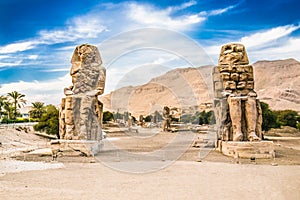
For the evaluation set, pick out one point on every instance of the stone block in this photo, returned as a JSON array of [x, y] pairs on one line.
[[250, 85], [234, 77], [86, 147], [243, 77], [261, 149], [241, 85], [225, 76], [224, 68], [231, 85]]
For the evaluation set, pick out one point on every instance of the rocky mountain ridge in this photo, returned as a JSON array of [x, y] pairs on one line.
[[276, 82]]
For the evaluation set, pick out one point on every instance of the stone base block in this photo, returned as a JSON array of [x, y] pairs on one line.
[[262, 149], [87, 147]]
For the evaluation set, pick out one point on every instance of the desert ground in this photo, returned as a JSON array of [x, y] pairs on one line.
[[27, 174]]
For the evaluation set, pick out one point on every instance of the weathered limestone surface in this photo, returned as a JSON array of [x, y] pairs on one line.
[[237, 109], [141, 121], [81, 111], [87, 147], [261, 149]]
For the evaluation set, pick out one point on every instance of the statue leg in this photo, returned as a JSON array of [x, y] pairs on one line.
[[69, 119], [251, 118], [235, 109], [86, 118]]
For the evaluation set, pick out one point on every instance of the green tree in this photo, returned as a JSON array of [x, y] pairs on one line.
[[107, 116], [148, 118], [48, 121], [118, 115], [287, 118], [8, 110], [203, 119], [17, 101], [269, 117], [3, 101], [37, 110], [186, 118], [298, 125], [211, 117], [157, 117]]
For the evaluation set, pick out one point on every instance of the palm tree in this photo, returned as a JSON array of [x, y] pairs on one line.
[[38, 110], [2, 104], [8, 109], [17, 100]]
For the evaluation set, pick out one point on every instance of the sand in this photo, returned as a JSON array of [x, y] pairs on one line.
[[77, 177], [182, 180]]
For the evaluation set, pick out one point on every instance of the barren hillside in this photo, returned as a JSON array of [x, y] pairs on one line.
[[277, 83]]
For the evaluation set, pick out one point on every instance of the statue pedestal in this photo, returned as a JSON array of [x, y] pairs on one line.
[[87, 147], [261, 149]]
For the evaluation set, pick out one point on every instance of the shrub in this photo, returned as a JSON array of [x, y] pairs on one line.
[[269, 117], [49, 121], [5, 120], [199, 118], [107, 116], [148, 118], [287, 118]]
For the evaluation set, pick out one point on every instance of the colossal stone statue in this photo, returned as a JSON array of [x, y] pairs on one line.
[[81, 111], [167, 119], [129, 121], [237, 109]]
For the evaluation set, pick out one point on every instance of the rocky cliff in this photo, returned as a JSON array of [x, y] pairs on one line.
[[276, 82]]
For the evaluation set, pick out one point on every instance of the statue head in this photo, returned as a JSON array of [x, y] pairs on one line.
[[86, 54], [166, 110], [233, 53]]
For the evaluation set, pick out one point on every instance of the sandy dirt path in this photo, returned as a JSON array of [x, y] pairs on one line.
[[182, 180]]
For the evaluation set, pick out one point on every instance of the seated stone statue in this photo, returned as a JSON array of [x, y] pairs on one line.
[[237, 109], [81, 111], [167, 119]]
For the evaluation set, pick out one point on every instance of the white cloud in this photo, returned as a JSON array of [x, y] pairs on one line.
[[46, 91], [79, 27], [270, 44], [288, 48], [3, 57], [182, 6], [266, 36], [57, 70], [92, 24], [151, 16], [158, 49], [148, 15], [33, 57], [10, 64], [86, 27], [220, 11], [18, 46]]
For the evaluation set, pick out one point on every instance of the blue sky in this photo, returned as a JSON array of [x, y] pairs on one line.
[[37, 37]]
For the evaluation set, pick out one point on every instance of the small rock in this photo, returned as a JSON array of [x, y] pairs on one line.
[[274, 164]]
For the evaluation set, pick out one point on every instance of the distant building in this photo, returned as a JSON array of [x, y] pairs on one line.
[[24, 111], [207, 106]]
